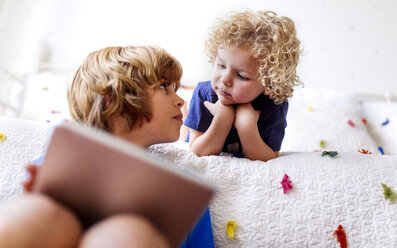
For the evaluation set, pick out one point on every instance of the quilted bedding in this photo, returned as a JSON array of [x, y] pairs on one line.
[[327, 192], [23, 141]]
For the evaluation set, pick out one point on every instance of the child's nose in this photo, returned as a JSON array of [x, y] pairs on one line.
[[226, 79], [179, 101]]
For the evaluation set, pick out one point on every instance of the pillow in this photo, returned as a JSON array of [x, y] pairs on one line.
[[326, 120], [382, 124], [45, 98]]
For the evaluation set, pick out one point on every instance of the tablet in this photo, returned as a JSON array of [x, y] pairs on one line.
[[96, 175]]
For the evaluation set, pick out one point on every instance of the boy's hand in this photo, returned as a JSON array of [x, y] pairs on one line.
[[219, 109], [246, 116], [212, 140], [28, 183]]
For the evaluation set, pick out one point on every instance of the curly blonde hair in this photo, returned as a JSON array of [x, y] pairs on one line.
[[272, 41], [115, 80]]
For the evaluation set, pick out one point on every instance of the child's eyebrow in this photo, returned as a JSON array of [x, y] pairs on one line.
[[217, 58], [241, 68]]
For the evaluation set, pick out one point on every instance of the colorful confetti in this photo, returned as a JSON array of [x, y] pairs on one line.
[[322, 144], [364, 121], [286, 184], [389, 192], [381, 150], [385, 122], [2, 137], [341, 236], [329, 153], [310, 109], [363, 151], [231, 228], [351, 123]]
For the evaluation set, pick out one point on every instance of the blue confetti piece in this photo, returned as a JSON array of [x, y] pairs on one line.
[[381, 150], [385, 122]]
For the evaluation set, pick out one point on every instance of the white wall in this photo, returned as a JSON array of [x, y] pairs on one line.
[[349, 44]]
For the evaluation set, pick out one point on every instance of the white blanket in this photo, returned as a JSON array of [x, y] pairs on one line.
[[327, 192], [345, 190], [24, 141]]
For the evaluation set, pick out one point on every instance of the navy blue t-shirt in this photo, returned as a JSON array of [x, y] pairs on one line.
[[271, 124]]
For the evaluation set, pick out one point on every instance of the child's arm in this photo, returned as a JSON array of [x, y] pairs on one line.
[[211, 141], [252, 144]]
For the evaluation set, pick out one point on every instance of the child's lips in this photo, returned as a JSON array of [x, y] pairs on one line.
[[224, 93], [179, 118]]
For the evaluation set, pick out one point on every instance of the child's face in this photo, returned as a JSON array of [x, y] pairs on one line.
[[166, 120], [235, 77]]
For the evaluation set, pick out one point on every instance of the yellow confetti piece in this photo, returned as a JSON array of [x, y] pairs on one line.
[[230, 228], [2, 137], [44, 88], [310, 109], [322, 144]]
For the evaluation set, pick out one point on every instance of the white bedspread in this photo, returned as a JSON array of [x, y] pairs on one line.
[[25, 140], [345, 190], [327, 192]]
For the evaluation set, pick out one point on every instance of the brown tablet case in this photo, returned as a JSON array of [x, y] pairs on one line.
[[97, 175]]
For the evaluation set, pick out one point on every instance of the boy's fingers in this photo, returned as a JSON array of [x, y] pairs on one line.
[[209, 106], [29, 181]]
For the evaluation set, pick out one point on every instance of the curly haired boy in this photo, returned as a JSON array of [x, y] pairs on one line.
[[243, 109]]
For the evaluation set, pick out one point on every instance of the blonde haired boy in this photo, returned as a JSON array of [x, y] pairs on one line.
[[131, 93]]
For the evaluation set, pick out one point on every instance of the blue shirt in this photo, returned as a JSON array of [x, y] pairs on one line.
[[201, 235], [271, 124]]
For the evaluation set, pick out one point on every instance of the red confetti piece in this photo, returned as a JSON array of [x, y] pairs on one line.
[[351, 123], [341, 236], [363, 151], [286, 183], [55, 112], [364, 121]]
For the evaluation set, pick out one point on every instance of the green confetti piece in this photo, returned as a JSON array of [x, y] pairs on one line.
[[389, 192], [329, 153]]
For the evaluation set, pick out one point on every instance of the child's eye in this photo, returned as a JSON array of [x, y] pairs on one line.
[[242, 77], [166, 87], [222, 66]]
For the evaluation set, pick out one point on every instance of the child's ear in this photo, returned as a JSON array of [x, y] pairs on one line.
[[106, 100], [266, 91]]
